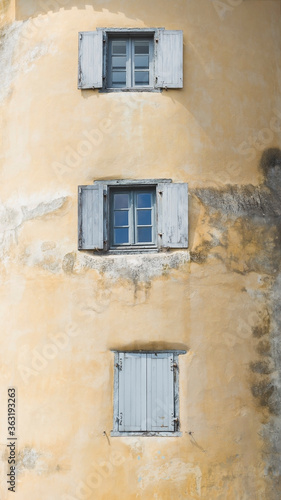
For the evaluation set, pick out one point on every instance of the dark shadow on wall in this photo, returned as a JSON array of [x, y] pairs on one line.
[[252, 214]]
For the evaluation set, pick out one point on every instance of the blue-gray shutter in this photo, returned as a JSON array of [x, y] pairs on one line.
[[160, 392], [172, 205], [90, 59], [169, 59], [90, 217], [132, 392]]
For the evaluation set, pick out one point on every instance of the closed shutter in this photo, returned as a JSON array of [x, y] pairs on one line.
[[132, 392], [169, 59], [172, 204], [90, 59], [90, 217], [160, 392]]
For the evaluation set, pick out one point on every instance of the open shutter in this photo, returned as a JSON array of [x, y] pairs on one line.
[[132, 392], [169, 59], [90, 59], [160, 392], [90, 217], [172, 200]]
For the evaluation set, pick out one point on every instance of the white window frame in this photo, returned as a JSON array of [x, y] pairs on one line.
[[130, 35], [130, 70], [174, 416], [132, 216]]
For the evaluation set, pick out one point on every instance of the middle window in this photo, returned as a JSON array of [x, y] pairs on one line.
[[130, 62], [133, 219]]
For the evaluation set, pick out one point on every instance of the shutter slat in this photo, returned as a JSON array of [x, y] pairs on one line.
[[160, 390], [172, 215], [169, 59], [90, 59], [90, 217], [132, 392]]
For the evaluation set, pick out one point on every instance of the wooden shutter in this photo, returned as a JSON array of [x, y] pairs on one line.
[[160, 392], [132, 392], [172, 205], [90, 59], [169, 59], [90, 217]]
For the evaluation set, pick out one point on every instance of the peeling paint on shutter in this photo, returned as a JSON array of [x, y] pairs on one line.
[[172, 204], [90, 59], [132, 392], [90, 217], [169, 59], [160, 392]]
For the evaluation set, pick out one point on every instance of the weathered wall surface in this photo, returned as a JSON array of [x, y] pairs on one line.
[[63, 311]]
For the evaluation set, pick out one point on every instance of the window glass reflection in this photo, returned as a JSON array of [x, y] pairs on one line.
[[144, 200], [121, 200], [144, 217], [121, 235], [144, 235]]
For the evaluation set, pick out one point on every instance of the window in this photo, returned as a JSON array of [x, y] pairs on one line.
[[130, 63], [133, 216], [130, 59], [146, 393]]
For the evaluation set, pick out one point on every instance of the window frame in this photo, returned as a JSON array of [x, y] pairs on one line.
[[116, 432], [130, 64], [132, 217], [131, 185], [129, 34]]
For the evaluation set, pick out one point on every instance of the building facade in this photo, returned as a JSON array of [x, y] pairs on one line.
[[140, 248]]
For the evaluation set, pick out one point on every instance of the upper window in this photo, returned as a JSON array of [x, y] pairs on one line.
[[130, 59], [130, 62], [140, 215], [146, 393]]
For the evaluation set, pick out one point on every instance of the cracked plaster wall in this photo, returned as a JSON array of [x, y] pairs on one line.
[[63, 311]]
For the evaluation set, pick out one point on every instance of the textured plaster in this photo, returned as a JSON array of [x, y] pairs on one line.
[[137, 268], [62, 311], [11, 67], [257, 209], [12, 219]]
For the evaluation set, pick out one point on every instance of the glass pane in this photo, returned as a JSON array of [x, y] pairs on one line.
[[119, 62], [141, 47], [119, 77], [121, 235], [141, 62], [121, 218], [141, 77], [144, 217], [121, 200], [144, 200], [144, 235], [119, 47]]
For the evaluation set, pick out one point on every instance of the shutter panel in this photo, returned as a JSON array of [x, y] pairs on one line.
[[173, 215], [90, 59], [90, 217], [169, 59], [132, 392], [160, 392]]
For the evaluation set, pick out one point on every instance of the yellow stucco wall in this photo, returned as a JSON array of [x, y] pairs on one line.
[[63, 311]]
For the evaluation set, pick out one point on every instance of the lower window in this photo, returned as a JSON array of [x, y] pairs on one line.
[[146, 399]]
